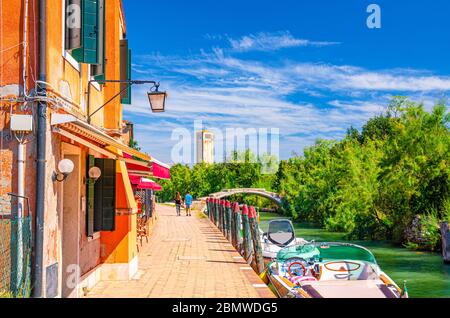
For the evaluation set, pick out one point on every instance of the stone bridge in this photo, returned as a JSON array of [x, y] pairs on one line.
[[261, 192]]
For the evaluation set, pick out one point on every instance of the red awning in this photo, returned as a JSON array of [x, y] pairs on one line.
[[160, 170], [153, 168], [137, 167], [144, 183], [135, 180], [150, 184]]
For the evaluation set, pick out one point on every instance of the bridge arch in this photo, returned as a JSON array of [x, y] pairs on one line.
[[274, 197]]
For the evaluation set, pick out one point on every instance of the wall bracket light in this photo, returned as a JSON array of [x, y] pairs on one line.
[[65, 168], [156, 98]]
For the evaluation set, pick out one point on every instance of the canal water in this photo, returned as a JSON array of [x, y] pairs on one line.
[[425, 273]]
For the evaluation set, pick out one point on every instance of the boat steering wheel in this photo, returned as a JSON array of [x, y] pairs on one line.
[[295, 267]]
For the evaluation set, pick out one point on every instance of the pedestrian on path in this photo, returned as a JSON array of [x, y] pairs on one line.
[[178, 203], [188, 203]]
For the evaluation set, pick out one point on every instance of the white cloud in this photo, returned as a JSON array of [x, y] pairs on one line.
[[291, 76], [304, 100], [355, 78], [264, 41]]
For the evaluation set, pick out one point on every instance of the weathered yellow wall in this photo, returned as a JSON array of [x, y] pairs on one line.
[[113, 112], [70, 82]]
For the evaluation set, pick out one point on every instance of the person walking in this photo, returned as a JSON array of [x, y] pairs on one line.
[[188, 203], [178, 203]]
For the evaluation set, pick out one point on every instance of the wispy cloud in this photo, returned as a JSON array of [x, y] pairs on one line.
[[264, 41], [304, 100], [290, 76]]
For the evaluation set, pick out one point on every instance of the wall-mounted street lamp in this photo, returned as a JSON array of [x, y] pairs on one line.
[[65, 168], [156, 98], [94, 173]]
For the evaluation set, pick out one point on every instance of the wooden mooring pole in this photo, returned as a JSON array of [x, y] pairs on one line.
[[445, 234], [218, 214], [257, 250], [224, 219], [212, 209], [221, 221], [229, 214], [233, 224], [216, 218], [224, 216], [219, 211], [247, 242], [237, 225]]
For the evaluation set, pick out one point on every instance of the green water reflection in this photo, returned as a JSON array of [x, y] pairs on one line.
[[425, 273]]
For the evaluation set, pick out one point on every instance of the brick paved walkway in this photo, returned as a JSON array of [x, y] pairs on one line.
[[187, 257]]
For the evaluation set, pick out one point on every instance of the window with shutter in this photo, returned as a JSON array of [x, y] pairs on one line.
[[98, 70], [90, 17], [125, 71], [90, 198], [72, 31], [105, 196]]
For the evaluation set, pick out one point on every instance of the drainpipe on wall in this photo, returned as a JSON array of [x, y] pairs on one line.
[[18, 261], [41, 149], [25, 44]]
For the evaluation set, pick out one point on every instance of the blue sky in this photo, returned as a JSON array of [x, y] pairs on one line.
[[309, 68]]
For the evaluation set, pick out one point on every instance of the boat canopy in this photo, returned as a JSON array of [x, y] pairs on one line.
[[327, 252]]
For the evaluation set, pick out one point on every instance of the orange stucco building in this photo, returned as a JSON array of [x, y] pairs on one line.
[[89, 226]]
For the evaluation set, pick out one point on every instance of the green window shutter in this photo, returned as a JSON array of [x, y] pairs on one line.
[[90, 198], [105, 196], [125, 71], [88, 53]]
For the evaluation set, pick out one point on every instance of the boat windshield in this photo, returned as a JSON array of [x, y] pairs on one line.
[[280, 226], [327, 252], [281, 232]]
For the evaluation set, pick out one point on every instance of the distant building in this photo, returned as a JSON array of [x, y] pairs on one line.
[[205, 146]]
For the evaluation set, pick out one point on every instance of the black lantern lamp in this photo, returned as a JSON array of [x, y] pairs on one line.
[[157, 99]]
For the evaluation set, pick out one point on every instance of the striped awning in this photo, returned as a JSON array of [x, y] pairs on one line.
[[93, 138]]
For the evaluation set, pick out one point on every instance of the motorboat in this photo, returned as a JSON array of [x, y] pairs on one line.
[[280, 234], [330, 270]]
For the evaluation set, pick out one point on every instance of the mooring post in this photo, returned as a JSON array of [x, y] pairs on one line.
[[247, 243], [222, 220], [259, 259], [210, 209], [213, 210], [216, 218], [218, 213], [229, 218], [239, 228], [445, 234], [224, 231], [221, 216], [236, 225], [224, 226], [232, 225]]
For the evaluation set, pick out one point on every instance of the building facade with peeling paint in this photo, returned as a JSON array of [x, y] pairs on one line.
[[48, 63]]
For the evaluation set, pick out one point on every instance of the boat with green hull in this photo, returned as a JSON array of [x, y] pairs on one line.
[[330, 270]]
